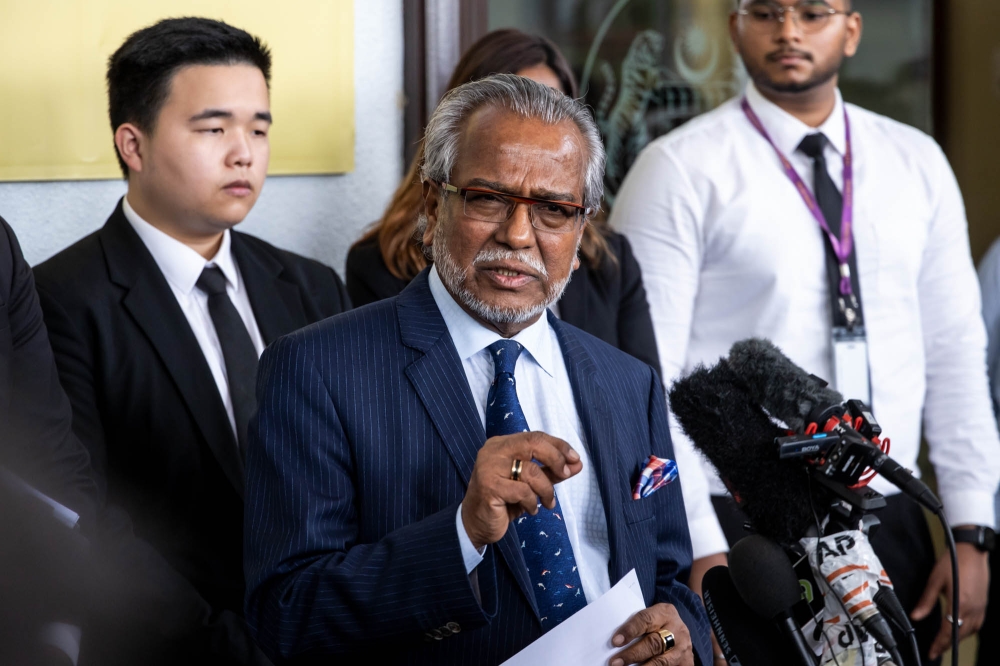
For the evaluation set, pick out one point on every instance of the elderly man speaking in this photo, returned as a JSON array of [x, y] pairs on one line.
[[442, 477]]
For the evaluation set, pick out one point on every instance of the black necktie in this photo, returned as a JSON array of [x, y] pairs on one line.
[[237, 349], [832, 204]]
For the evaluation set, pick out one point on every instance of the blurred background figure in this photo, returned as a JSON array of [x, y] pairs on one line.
[[78, 587], [989, 282]]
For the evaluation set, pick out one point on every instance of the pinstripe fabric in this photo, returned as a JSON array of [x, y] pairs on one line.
[[361, 450]]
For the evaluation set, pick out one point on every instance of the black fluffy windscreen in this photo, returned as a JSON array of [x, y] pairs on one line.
[[714, 408], [784, 389]]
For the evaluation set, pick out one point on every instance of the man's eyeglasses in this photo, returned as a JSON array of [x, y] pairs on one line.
[[557, 217], [811, 16]]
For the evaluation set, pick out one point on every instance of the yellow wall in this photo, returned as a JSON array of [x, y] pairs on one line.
[[972, 89], [53, 101]]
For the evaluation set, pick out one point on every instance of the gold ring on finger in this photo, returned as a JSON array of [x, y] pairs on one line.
[[667, 637], [515, 470]]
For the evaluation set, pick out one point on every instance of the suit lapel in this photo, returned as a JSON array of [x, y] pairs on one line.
[[277, 304], [155, 310], [598, 427], [440, 381]]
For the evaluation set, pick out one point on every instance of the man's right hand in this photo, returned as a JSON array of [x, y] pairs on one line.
[[493, 499]]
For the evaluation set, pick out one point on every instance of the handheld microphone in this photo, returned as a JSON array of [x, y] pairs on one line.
[[766, 581]]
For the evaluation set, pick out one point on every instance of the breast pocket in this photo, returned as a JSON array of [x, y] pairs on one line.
[[636, 510]]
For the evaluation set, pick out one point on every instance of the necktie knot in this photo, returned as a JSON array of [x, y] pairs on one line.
[[212, 281], [813, 145], [504, 354]]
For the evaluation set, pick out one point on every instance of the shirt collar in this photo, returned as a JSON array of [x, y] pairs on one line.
[[787, 131], [471, 337], [180, 264]]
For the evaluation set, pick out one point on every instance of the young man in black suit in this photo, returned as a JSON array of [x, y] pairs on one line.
[[157, 320]]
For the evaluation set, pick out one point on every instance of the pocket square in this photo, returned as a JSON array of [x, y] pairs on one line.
[[657, 473]]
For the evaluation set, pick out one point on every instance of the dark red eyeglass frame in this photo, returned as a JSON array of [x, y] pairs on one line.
[[448, 187]]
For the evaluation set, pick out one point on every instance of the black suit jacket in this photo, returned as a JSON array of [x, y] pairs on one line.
[[608, 302], [144, 401], [36, 438]]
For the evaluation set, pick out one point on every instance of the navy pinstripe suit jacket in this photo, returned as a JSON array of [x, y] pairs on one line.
[[357, 460]]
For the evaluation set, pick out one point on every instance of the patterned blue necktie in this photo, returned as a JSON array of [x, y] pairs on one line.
[[545, 545]]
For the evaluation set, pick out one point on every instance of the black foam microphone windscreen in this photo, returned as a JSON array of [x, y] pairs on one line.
[[717, 412], [768, 584], [784, 389], [746, 638], [764, 575]]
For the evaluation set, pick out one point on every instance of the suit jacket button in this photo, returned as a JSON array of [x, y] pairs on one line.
[[453, 627], [435, 634], [445, 631]]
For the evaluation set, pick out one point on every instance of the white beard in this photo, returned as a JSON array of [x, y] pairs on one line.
[[454, 278]]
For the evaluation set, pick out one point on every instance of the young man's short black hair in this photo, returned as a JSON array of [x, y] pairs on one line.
[[140, 71]]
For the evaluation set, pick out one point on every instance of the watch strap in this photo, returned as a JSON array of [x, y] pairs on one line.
[[983, 538]]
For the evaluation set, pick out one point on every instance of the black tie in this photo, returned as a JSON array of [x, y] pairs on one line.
[[237, 349], [832, 204]]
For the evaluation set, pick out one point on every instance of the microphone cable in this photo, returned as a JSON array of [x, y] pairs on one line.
[[953, 552], [889, 604]]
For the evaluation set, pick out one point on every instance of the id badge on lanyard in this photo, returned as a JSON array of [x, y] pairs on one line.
[[850, 346], [850, 363]]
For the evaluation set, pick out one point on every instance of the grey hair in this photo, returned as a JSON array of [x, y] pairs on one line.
[[521, 96]]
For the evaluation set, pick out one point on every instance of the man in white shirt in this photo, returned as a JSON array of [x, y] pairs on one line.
[[157, 320], [394, 505], [744, 225]]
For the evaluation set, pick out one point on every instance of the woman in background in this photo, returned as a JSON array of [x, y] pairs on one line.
[[605, 297]]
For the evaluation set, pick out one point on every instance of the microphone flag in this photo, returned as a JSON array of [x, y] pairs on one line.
[[848, 573]]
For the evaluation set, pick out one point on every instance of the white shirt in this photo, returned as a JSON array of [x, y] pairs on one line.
[[182, 266], [729, 250], [546, 398]]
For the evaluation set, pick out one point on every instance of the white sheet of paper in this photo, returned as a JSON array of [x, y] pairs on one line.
[[585, 638]]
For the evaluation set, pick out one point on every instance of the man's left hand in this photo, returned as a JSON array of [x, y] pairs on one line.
[[974, 585], [648, 651]]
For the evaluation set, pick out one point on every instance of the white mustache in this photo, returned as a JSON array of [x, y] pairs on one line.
[[521, 256]]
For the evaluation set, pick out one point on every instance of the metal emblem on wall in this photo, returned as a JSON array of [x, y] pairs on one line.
[[644, 97]]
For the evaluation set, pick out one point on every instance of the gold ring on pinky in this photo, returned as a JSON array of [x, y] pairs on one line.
[[515, 470], [667, 637]]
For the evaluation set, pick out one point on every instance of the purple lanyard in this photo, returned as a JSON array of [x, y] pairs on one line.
[[843, 246]]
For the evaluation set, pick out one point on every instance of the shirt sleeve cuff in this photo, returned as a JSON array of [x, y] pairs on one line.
[[968, 507], [470, 554], [707, 537]]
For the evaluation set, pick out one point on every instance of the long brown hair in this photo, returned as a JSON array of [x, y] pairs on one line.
[[505, 51]]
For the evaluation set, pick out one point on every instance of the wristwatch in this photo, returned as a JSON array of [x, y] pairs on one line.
[[983, 538]]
